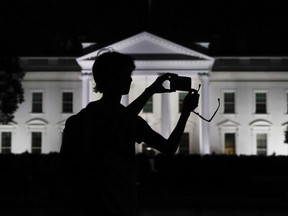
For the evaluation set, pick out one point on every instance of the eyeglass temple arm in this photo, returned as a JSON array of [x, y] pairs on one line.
[[208, 120]]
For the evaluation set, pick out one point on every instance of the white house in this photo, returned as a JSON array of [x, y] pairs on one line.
[[253, 115], [253, 94]]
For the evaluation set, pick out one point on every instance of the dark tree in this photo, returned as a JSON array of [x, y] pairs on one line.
[[11, 90]]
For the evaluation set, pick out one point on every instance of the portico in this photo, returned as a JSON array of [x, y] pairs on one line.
[[153, 56]]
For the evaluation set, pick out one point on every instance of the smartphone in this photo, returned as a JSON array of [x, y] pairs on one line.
[[180, 83]]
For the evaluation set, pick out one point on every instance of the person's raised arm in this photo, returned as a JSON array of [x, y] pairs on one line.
[[170, 145], [137, 105]]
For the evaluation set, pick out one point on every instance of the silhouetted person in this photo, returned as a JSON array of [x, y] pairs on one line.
[[99, 141]]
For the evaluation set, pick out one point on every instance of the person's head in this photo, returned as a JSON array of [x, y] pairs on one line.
[[112, 71]]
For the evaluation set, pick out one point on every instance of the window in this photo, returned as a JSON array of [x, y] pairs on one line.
[[148, 108], [37, 128], [37, 102], [181, 100], [229, 130], [67, 102], [260, 106], [36, 142], [229, 102], [6, 140], [287, 102], [184, 144], [260, 133], [230, 144], [261, 142]]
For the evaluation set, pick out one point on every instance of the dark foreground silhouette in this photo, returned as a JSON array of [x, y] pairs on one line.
[[98, 149], [212, 183]]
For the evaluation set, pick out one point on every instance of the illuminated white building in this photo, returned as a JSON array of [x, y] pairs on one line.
[[251, 119], [254, 111]]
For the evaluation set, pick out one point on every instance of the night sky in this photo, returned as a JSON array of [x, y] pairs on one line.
[[243, 27]]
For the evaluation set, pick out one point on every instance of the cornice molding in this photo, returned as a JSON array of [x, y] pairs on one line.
[[51, 76], [248, 76]]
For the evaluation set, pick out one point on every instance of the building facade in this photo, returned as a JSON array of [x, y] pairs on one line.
[[253, 115], [253, 94]]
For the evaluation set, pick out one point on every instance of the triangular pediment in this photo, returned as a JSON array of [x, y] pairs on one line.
[[147, 43], [153, 53], [228, 123]]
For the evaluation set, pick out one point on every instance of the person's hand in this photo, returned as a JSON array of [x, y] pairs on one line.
[[191, 101], [157, 85]]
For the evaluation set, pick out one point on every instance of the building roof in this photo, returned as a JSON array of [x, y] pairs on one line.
[[49, 64], [250, 64]]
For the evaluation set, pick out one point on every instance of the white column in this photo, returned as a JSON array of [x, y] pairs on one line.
[[205, 135], [165, 115], [125, 100], [85, 89]]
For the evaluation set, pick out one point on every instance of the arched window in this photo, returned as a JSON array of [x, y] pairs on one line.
[[229, 132], [37, 130], [260, 135]]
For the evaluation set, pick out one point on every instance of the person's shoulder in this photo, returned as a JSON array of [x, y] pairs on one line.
[[77, 116], [92, 106], [82, 112]]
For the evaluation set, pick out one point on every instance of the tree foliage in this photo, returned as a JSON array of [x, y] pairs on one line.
[[11, 90]]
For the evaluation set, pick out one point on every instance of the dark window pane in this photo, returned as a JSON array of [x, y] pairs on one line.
[[148, 108], [67, 102], [37, 100], [181, 99], [36, 142], [261, 103], [287, 102], [261, 140], [230, 143], [6, 139], [229, 102], [184, 144]]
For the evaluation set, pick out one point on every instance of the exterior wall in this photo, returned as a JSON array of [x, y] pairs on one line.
[[245, 122], [51, 121]]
